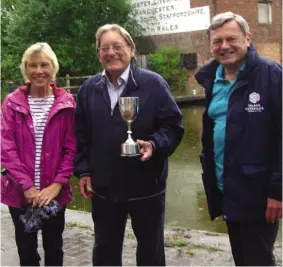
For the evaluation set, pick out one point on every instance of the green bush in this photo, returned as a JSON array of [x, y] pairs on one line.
[[10, 73], [4, 92], [166, 61]]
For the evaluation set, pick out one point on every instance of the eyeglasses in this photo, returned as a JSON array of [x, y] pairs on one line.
[[116, 48], [219, 42]]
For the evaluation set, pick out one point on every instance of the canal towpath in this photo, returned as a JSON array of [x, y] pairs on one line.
[[183, 247]]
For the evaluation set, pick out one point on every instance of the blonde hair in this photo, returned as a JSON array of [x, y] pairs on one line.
[[39, 48], [116, 28], [222, 18]]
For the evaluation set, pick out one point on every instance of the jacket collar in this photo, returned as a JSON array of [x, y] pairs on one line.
[[205, 76], [19, 98]]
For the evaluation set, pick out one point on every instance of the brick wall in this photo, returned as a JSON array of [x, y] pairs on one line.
[[267, 38], [270, 50]]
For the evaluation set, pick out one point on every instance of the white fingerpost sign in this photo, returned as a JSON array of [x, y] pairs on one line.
[[170, 16]]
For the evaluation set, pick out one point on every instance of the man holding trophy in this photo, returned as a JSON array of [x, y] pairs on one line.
[[128, 125]]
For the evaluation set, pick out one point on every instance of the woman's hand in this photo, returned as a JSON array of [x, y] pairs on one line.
[[31, 195], [47, 194]]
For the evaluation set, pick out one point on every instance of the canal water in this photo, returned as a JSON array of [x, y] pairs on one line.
[[185, 199]]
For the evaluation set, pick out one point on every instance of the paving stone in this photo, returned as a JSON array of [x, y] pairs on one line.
[[204, 248]]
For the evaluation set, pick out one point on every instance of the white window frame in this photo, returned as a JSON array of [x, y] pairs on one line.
[[264, 13]]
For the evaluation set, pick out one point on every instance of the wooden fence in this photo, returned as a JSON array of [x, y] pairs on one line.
[[67, 82], [73, 83]]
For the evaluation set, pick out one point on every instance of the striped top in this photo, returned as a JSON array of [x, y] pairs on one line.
[[39, 108]]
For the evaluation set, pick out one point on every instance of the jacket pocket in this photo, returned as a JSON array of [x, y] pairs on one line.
[[255, 171], [4, 186], [10, 191], [253, 186]]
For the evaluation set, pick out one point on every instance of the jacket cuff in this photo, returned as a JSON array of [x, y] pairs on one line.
[[153, 145], [61, 180], [275, 186], [84, 174], [26, 186]]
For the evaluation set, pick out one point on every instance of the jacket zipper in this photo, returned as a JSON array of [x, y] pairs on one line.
[[111, 110]]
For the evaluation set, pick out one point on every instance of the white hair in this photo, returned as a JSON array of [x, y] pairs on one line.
[[222, 18]]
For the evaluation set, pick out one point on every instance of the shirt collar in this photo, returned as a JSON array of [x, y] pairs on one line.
[[220, 72], [123, 77]]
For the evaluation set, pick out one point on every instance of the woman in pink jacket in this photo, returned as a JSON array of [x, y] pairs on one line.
[[37, 149]]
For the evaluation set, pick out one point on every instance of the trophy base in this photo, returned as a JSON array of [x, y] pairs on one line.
[[130, 150], [130, 155]]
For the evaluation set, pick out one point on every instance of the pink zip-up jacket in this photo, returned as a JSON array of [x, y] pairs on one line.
[[18, 146]]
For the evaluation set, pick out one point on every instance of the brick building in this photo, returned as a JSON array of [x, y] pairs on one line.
[[264, 18]]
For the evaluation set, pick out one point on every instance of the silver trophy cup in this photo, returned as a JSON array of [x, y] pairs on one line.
[[129, 107]]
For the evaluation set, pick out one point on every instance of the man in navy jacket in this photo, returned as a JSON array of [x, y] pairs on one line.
[[123, 186], [242, 140]]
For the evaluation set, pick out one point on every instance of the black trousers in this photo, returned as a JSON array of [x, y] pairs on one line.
[[252, 242], [52, 231], [147, 217]]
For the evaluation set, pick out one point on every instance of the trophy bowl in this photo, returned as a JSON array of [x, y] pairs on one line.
[[129, 107]]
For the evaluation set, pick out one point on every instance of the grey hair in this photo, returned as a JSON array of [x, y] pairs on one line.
[[222, 18], [117, 28], [39, 48]]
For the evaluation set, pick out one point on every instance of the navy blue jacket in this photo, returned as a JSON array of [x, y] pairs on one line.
[[100, 134], [253, 141]]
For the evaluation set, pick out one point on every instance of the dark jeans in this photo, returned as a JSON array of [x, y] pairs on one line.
[[252, 242], [52, 230], [147, 217]]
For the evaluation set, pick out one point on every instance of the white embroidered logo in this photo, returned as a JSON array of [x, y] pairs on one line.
[[254, 98]]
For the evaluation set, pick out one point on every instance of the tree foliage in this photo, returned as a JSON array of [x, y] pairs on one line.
[[68, 26], [166, 61]]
